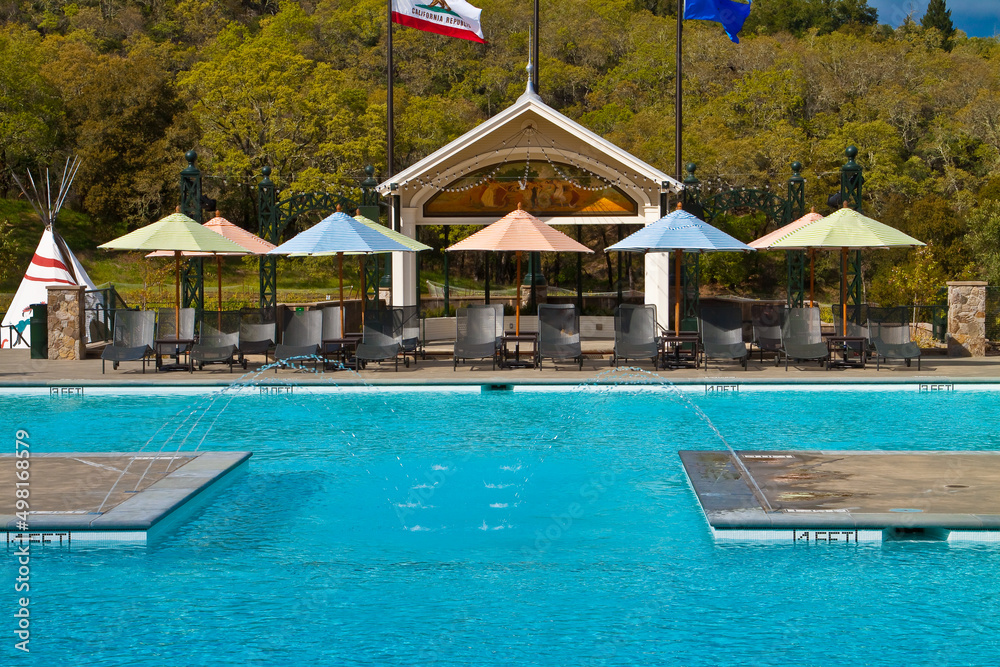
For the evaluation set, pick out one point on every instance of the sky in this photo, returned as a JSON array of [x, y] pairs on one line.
[[977, 18]]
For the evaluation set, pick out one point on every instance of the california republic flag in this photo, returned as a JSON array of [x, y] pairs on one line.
[[452, 18]]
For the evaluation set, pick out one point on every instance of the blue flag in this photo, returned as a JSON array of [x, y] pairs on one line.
[[732, 15]]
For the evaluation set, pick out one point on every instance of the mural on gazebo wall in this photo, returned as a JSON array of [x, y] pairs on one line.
[[546, 189]]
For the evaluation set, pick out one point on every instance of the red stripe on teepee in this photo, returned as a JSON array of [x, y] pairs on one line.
[[49, 280], [48, 262], [437, 28]]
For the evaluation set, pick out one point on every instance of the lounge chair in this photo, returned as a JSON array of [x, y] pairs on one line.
[[559, 333], [476, 334], [301, 337], [890, 333], [721, 329], [166, 329], [333, 331], [635, 334], [132, 338], [767, 320], [381, 337], [257, 335], [802, 336], [410, 332], [218, 339]]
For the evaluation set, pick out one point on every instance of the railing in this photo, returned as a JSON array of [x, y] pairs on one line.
[[100, 307], [936, 316]]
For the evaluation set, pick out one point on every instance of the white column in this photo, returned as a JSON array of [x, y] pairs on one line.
[[404, 264], [657, 275]]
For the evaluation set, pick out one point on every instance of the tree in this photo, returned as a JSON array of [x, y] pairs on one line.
[[984, 239], [939, 17]]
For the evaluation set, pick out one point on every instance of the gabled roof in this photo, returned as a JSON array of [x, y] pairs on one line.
[[590, 148]]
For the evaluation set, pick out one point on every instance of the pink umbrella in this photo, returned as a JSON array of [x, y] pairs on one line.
[[764, 243]]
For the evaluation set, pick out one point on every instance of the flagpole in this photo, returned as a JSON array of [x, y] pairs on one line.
[[534, 49], [678, 94], [390, 137]]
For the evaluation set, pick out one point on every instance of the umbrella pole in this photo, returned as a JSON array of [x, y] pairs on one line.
[[218, 266], [177, 294], [517, 301], [678, 254], [843, 289], [340, 275], [812, 278]]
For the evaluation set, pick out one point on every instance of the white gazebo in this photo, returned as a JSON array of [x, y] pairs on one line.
[[530, 154]]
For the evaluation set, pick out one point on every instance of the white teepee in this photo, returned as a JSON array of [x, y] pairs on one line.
[[52, 264]]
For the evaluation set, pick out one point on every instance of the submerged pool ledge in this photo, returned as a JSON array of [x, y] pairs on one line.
[[847, 497], [112, 497]]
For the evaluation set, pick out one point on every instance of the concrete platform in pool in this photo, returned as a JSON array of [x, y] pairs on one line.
[[847, 497], [107, 497]]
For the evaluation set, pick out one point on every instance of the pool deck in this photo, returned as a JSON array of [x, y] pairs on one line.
[[17, 369], [105, 497], [847, 496]]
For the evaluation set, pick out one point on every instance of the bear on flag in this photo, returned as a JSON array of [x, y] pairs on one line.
[[452, 18]]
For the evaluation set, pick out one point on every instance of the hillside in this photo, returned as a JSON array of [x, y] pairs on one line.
[[301, 86]]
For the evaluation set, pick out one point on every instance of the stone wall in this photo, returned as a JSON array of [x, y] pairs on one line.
[[66, 312], [967, 319]]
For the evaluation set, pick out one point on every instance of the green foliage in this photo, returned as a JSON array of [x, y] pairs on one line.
[[9, 250], [984, 239], [800, 16], [938, 17], [914, 282]]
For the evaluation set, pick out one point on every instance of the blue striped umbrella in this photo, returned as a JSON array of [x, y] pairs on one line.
[[682, 231], [337, 234], [340, 234], [679, 232]]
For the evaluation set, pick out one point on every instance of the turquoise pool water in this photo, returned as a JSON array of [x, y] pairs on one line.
[[502, 528]]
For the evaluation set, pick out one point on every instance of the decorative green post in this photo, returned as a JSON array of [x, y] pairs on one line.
[[192, 275], [852, 180], [796, 203], [690, 268], [795, 208], [796, 264], [692, 186], [369, 209], [267, 195]]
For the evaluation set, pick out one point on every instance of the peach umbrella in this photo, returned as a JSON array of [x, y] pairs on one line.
[[518, 232], [765, 242]]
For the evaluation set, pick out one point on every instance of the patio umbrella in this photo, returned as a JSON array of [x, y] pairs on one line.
[[766, 243], [176, 233], [847, 230], [679, 232], [340, 234], [518, 232], [252, 244]]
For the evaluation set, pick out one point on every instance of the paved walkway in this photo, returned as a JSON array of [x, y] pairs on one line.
[[18, 369]]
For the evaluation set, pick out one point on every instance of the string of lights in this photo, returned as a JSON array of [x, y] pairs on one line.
[[519, 148]]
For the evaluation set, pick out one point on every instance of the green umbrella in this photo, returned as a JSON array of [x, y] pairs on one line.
[[177, 233], [847, 230], [412, 244]]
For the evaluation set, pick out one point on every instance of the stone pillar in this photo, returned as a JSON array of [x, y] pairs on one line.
[[967, 318], [67, 314]]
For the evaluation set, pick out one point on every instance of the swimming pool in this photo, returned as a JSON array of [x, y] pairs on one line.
[[548, 528]]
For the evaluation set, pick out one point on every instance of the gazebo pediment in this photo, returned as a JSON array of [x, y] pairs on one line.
[[564, 162]]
